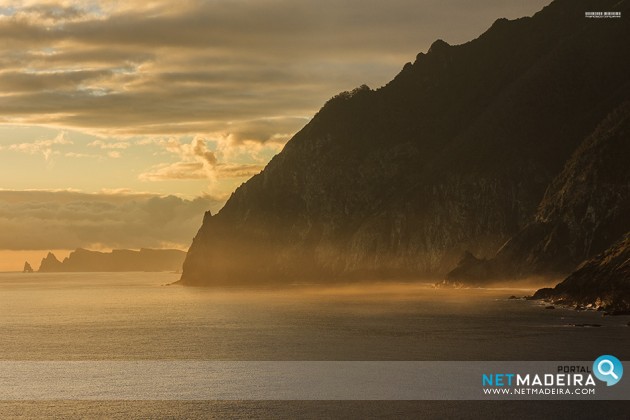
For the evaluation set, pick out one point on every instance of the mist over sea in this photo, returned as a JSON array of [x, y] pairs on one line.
[[135, 316]]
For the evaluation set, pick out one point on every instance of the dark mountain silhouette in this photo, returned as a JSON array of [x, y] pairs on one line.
[[585, 209], [454, 154], [83, 260]]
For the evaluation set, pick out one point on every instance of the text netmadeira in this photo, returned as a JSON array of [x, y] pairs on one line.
[[546, 379]]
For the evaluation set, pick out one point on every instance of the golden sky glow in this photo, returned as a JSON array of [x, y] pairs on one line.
[[187, 98]]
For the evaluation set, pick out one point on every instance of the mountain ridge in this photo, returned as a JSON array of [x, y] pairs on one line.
[[454, 154]]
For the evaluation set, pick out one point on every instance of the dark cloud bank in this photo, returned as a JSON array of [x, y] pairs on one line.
[[31, 220]]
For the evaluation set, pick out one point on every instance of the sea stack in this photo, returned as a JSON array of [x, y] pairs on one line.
[[27, 268]]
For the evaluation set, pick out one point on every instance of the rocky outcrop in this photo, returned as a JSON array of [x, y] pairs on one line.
[[454, 154], [602, 282], [50, 264], [584, 210], [83, 260], [27, 268]]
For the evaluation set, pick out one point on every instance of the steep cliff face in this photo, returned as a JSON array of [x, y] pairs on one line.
[[454, 154], [83, 260], [603, 281], [588, 205], [585, 209]]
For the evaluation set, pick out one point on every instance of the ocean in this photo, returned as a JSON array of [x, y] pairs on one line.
[[139, 316]]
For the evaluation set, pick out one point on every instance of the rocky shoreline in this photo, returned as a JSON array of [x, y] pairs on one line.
[[568, 303], [603, 282]]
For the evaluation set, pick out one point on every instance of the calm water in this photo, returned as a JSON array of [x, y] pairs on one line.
[[131, 316]]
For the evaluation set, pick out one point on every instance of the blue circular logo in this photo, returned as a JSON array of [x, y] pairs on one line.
[[608, 369]]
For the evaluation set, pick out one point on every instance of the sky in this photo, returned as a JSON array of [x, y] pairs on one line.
[[115, 115]]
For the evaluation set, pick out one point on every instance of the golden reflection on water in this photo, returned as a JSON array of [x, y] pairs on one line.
[[123, 316]]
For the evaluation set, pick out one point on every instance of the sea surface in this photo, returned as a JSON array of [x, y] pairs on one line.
[[139, 316]]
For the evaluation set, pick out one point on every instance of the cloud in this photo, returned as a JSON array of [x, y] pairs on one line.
[[21, 81], [175, 171], [32, 220], [109, 145], [263, 130], [196, 161], [196, 170], [79, 155], [232, 170], [52, 13], [45, 147], [151, 68], [196, 156], [199, 89], [198, 149]]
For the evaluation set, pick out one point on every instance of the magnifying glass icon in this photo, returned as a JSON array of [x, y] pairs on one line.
[[610, 371]]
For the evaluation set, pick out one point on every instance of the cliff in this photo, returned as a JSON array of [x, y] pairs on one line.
[[584, 210], [601, 282], [454, 154], [83, 260]]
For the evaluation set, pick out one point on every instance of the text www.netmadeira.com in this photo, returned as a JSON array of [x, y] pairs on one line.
[[538, 391]]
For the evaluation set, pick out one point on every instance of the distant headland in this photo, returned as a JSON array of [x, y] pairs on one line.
[[83, 260]]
